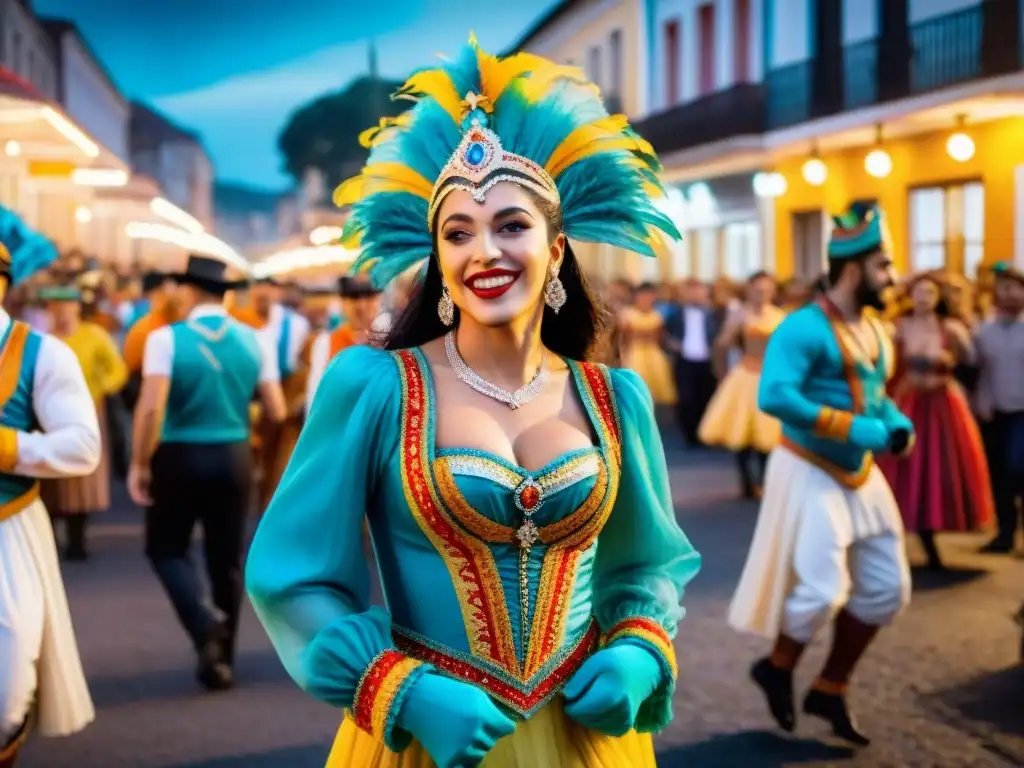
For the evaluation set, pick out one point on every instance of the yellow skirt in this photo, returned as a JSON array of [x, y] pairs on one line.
[[654, 368], [733, 420], [549, 739]]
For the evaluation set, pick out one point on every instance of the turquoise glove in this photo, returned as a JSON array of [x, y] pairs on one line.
[[869, 434], [456, 723], [606, 692]]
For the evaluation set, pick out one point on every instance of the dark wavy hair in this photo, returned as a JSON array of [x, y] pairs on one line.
[[944, 307], [571, 333]]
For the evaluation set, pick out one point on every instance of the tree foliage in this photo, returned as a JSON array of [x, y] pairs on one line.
[[324, 134]]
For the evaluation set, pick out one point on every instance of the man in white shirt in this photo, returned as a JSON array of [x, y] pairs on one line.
[[360, 303], [690, 331], [48, 429], [191, 459]]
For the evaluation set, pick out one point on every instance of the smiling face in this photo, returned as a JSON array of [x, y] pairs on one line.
[[495, 256]]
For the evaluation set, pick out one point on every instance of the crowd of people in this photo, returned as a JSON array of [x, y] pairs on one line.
[[467, 399], [956, 373]]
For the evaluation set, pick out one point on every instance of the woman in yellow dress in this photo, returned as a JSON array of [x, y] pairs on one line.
[[516, 493], [732, 419], [641, 327], [75, 498]]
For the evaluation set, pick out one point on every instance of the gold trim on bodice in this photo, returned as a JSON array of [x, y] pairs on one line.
[[464, 538]]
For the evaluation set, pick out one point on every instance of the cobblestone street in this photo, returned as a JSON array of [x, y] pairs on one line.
[[940, 690]]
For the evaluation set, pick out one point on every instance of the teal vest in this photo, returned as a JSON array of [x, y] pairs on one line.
[[17, 374], [283, 343], [214, 375]]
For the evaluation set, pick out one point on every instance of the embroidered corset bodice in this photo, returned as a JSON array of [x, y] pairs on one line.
[[497, 576], [516, 548]]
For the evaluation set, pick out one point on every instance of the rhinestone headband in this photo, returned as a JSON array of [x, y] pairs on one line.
[[479, 162]]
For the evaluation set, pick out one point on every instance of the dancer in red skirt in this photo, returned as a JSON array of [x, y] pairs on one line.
[[943, 484]]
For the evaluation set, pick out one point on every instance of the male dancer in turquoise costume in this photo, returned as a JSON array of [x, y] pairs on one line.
[[829, 541], [48, 429], [198, 378]]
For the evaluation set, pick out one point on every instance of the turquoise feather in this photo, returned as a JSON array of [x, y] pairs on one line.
[[604, 195], [30, 251]]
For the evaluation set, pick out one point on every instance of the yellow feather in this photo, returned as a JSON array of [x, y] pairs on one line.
[[349, 191], [539, 83], [599, 136], [380, 132], [352, 240], [436, 84], [496, 74], [382, 177]]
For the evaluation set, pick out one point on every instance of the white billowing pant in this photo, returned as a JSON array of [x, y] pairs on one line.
[[869, 577], [22, 618], [819, 547], [39, 661]]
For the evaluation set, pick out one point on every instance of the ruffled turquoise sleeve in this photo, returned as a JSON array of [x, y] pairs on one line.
[[307, 573], [644, 560]]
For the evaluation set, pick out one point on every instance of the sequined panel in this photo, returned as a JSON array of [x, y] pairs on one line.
[[520, 696]]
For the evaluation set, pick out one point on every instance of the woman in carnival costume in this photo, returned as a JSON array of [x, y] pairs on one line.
[[733, 419], [517, 495], [48, 429], [828, 547], [944, 484], [641, 327]]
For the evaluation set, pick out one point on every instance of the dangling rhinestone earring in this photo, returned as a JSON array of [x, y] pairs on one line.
[[446, 308], [554, 292]]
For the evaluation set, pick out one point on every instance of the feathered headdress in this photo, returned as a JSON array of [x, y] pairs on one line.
[[479, 120], [862, 229], [23, 252]]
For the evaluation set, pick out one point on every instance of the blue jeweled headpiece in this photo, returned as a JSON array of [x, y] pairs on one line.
[[860, 230], [479, 120]]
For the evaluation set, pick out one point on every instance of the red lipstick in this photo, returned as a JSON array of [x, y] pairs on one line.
[[491, 283]]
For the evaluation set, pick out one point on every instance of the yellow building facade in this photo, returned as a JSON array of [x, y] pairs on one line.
[[918, 163]]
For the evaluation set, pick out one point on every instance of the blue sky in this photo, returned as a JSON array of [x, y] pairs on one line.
[[235, 69]]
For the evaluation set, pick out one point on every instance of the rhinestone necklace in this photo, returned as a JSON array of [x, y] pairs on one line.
[[472, 379]]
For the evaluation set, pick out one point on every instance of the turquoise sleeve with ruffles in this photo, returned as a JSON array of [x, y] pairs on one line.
[[644, 560], [307, 573]]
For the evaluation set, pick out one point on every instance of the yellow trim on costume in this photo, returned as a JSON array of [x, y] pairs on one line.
[[651, 632], [388, 692], [847, 479], [378, 690], [10, 361], [8, 449], [833, 423]]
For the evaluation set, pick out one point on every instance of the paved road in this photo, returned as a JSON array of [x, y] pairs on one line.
[[940, 690]]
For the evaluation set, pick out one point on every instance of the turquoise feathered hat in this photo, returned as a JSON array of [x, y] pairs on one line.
[[862, 229], [23, 252], [478, 120]]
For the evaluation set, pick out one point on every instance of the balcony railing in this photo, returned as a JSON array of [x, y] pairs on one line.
[[983, 40], [736, 111]]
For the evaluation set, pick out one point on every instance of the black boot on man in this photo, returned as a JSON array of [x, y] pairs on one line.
[[774, 676], [827, 697]]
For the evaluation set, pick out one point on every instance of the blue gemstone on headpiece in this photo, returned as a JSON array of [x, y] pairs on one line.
[[476, 153]]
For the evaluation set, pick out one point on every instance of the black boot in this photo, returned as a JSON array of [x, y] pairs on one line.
[[212, 671], [831, 707], [74, 527], [748, 486], [931, 551], [777, 686]]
